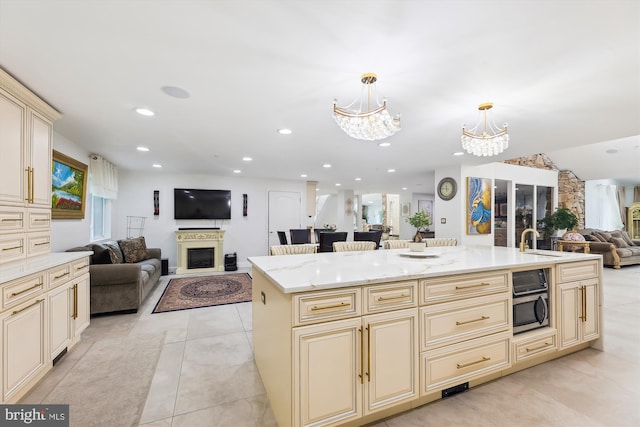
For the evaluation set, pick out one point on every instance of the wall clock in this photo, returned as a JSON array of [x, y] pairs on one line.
[[447, 188]]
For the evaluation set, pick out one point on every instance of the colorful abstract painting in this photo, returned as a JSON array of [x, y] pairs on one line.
[[479, 205]]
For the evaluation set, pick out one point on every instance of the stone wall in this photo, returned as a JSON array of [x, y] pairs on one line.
[[570, 187]]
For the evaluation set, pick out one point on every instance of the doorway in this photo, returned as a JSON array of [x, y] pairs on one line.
[[285, 212]]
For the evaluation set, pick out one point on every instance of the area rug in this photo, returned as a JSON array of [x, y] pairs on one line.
[[206, 291], [108, 386]]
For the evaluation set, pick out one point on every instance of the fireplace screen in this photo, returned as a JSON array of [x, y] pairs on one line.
[[200, 258]]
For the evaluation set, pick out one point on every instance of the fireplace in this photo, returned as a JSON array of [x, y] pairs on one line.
[[200, 251], [200, 258]]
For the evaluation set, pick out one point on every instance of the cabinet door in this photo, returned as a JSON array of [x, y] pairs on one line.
[[569, 307], [12, 128], [327, 373], [60, 310], [80, 305], [591, 321], [23, 342], [40, 159], [391, 359]]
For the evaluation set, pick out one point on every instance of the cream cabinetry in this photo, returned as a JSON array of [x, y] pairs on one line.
[[25, 171], [43, 312], [633, 220]]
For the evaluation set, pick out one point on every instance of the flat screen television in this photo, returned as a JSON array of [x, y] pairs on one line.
[[189, 203]]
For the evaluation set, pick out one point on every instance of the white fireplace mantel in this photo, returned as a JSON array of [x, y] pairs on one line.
[[200, 238]]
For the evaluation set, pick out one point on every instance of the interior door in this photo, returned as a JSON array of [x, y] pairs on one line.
[[285, 212]]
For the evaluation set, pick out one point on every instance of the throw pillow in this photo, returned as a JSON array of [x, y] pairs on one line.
[[627, 238], [114, 252], [101, 254], [591, 238], [603, 235], [619, 242], [134, 250]]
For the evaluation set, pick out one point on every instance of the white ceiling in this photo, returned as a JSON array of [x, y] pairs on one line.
[[563, 74]]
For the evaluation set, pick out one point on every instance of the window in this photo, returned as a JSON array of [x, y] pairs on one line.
[[100, 218]]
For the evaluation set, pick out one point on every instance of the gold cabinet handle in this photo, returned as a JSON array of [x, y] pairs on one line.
[[327, 307], [546, 344], [459, 288], [28, 171], [41, 219], [40, 244], [583, 292], [82, 267], [75, 301], [466, 322], [36, 302], [368, 354], [361, 375], [32, 186], [15, 294], [465, 365], [12, 248], [60, 276], [381, 299], [11, 220]]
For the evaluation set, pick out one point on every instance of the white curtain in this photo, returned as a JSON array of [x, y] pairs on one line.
[[103, 178], [608, 216]]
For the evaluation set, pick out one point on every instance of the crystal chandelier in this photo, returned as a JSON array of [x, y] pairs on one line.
[[490, 142], [372, 124]]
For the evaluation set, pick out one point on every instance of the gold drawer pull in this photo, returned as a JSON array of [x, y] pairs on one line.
[[61, 276], [380, 299], [473, 321], [36, 302], [75, 301], [12, 219], [458, 288], [41, 219], [15, 294], [484, 359], [327, 307], [82, 267], [40, 244], [12, 248], [547, 344]]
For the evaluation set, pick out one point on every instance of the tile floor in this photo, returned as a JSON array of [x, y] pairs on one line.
[[206, 375]]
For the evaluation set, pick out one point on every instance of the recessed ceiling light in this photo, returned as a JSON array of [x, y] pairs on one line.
[[247, 159], [303, 175], [317, 189], [176, 92], [384, 144], [611, 151], [326, 165], [391, 170], [284, 131], [358, 179], [459, 153], [404, 188], [237, 171], [145, 112], [156, 165], [142, 149], [338, 184]]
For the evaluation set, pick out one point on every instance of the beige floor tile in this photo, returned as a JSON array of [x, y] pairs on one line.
[[174, 323], [161, 423], [251, 412], [244, 310], [213, 321]]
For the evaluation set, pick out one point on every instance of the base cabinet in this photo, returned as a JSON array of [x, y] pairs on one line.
[[578, 312], [345, 369]]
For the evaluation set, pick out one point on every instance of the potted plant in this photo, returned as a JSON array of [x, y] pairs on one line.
[[421, 221], [561, 220]]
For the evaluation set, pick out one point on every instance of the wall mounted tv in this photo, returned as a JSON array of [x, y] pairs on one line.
[[189, 203]]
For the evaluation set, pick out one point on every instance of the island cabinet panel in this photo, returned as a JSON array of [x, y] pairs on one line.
[[578, 312], [318, 307], [533, 344], [463, 286], [393, 296]]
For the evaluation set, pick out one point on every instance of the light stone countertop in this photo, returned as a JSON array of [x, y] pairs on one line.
[[301, 273], [17, 269]]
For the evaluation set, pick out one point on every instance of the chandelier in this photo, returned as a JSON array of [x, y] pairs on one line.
[[372, 124], [490, 142]]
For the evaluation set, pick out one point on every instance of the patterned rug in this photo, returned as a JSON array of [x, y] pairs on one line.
[[205, 291]]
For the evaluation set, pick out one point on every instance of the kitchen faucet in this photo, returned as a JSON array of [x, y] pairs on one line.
[[523, 244]]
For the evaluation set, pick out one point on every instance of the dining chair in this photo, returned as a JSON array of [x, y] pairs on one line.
[[317, 231], [282, 236], [354, 246], [441, 241], [300, 236], [327, 239], [292, 249], [368, 236], [396, 244]]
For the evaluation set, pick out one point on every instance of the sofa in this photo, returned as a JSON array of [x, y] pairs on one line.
[[616, 247], [123, 272]]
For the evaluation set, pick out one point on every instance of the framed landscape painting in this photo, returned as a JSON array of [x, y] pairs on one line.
[[68, 187]]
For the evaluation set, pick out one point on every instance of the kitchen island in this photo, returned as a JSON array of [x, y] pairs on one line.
[[349, 338]]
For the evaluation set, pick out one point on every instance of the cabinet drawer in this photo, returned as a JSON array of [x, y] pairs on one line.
[[462, 362], [79, 267], [12, 247], [11, 219], [449, 323], [59, 275], [573, 271], [390, 296], [22, 289], [456, 287], [39, 219], [38, 243], [316, 307], [534, 344]]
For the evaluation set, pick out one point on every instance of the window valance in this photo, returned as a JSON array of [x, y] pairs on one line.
[[103, 177]]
